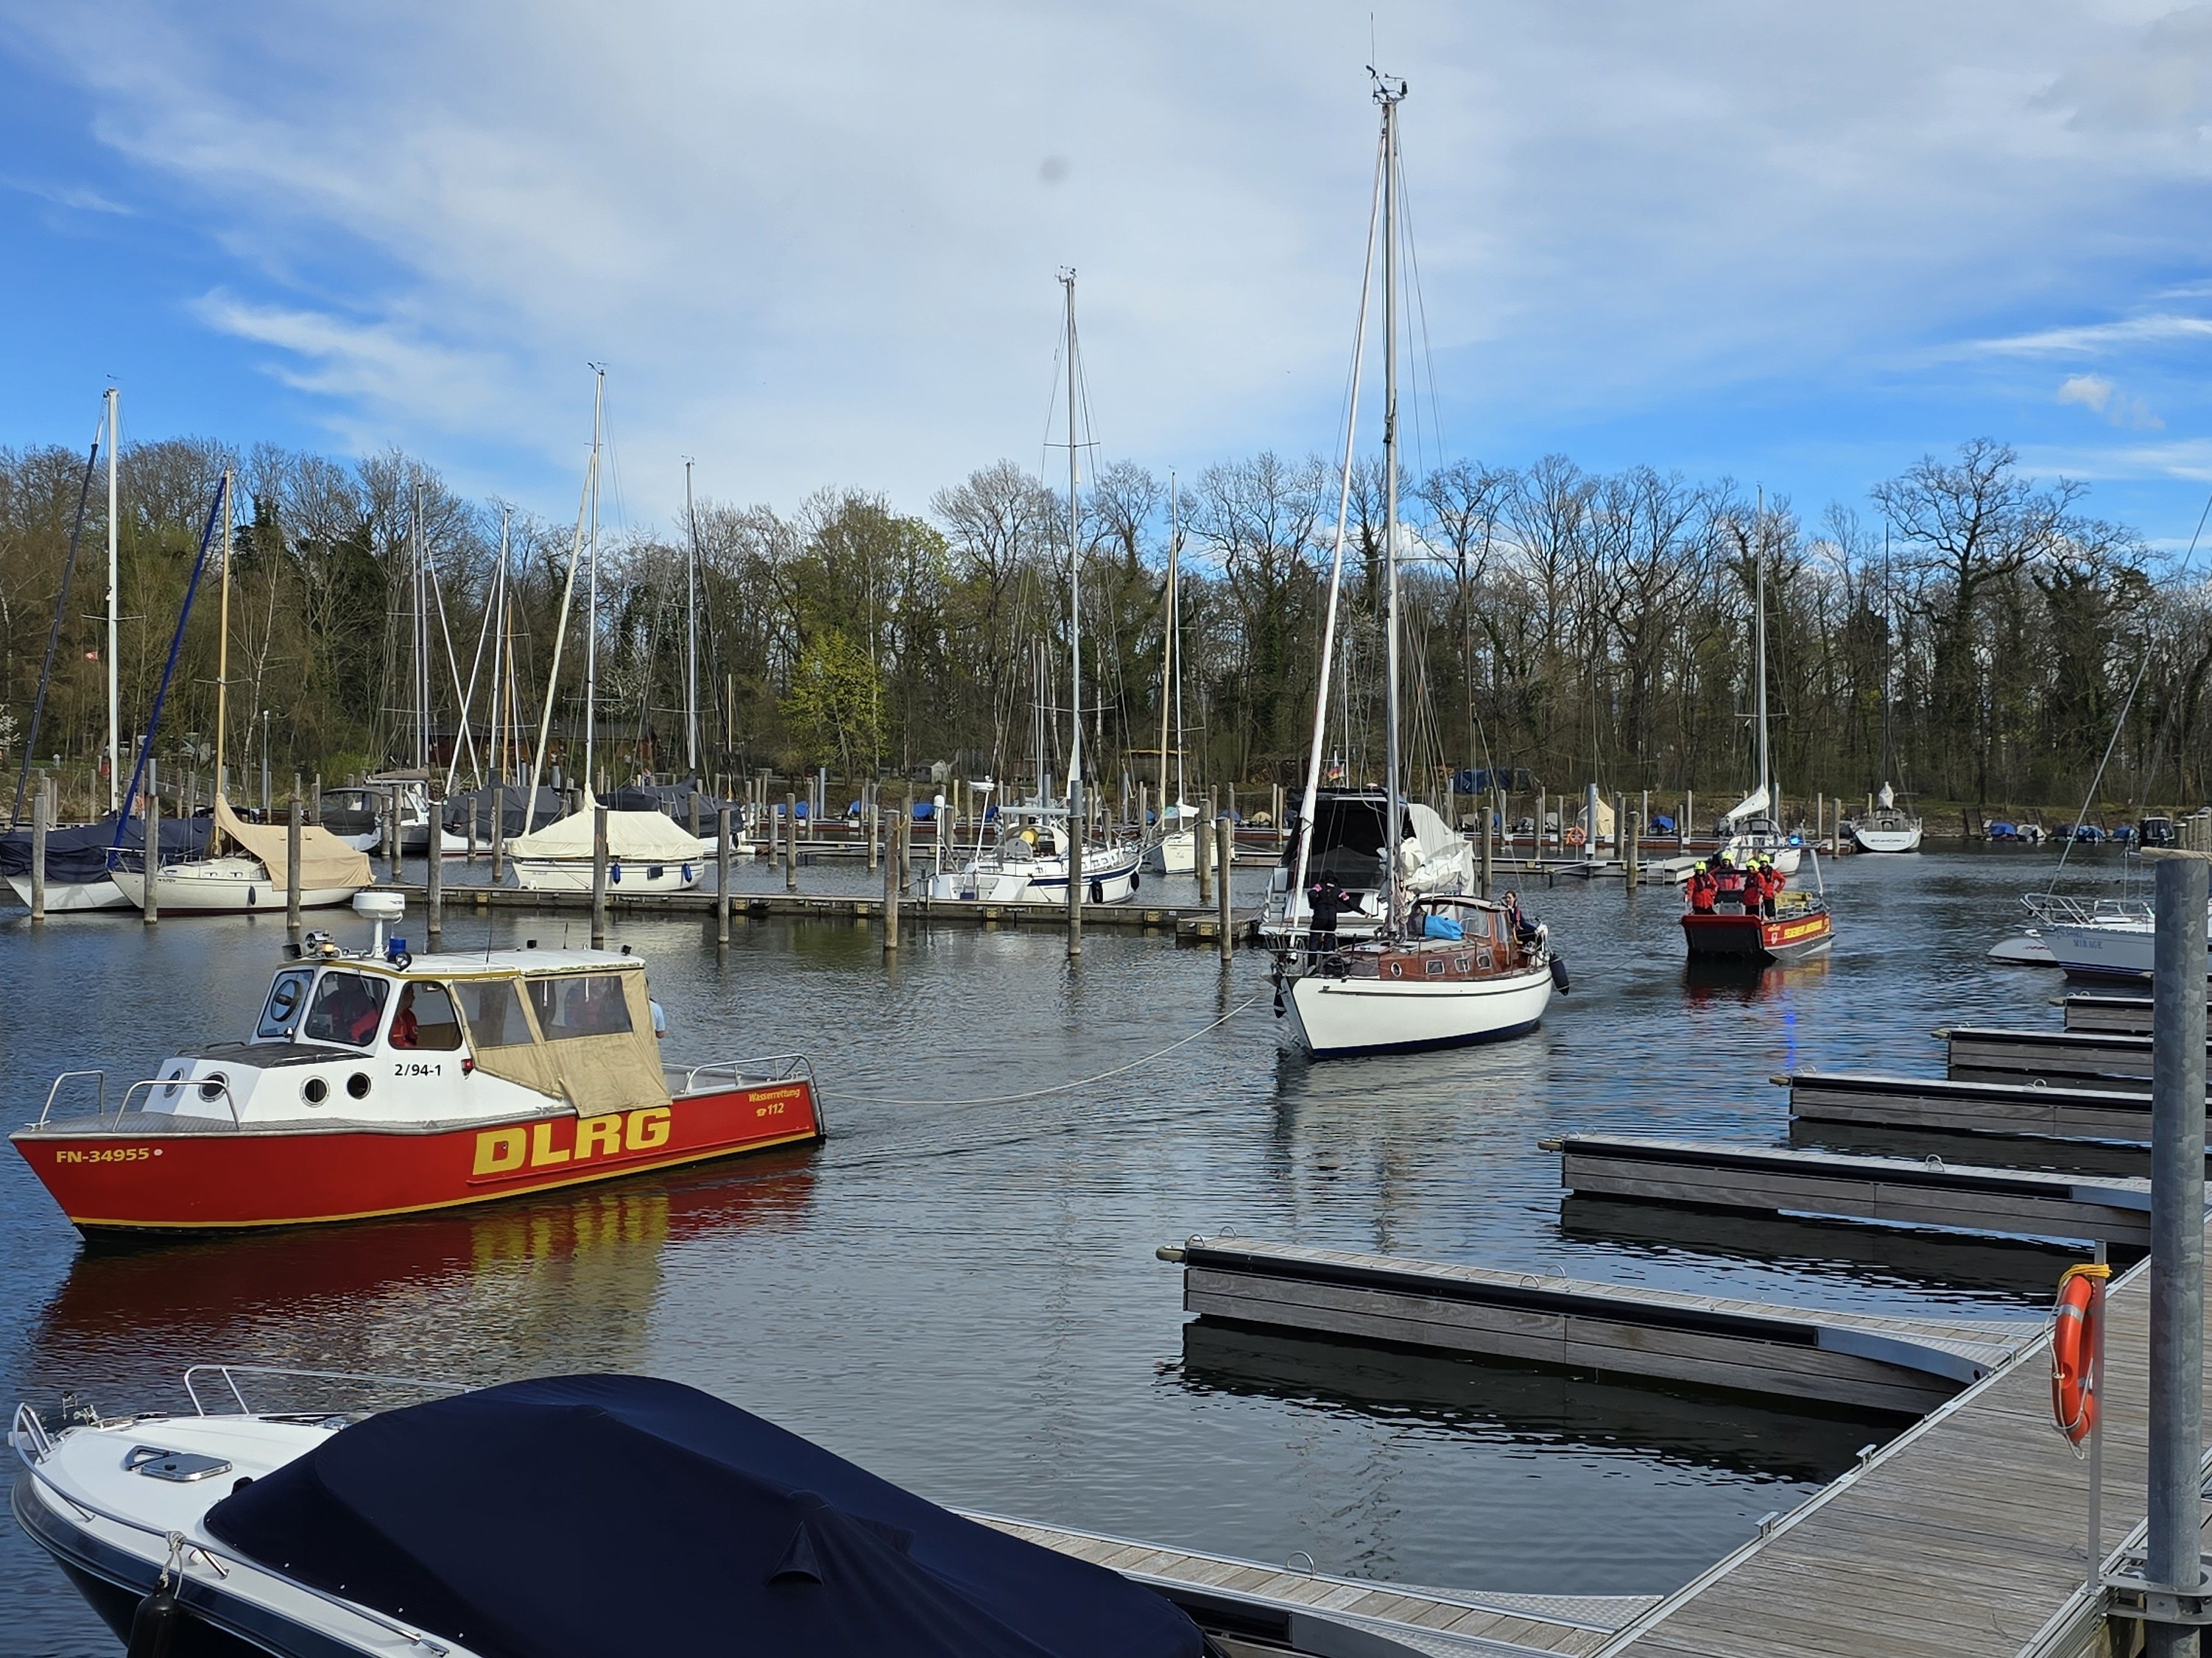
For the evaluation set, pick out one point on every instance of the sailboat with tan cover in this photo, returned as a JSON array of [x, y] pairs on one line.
[[251, 878]]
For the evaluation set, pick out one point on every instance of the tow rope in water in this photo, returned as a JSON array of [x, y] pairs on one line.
[[1058, 1088]]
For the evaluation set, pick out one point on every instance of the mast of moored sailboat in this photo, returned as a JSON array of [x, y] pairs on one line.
[[114, 780], [561, 631], [1394, 783], [691, 641], [1764, 781], [1074, 656], [592, 595]]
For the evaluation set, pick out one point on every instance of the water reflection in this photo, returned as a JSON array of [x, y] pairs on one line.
[[1529, 1405]]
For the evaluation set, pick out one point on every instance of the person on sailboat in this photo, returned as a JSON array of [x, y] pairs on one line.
[[1326, 899]]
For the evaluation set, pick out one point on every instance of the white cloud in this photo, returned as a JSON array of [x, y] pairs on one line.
[[2100, 396], [817, 243], [2090, 390]]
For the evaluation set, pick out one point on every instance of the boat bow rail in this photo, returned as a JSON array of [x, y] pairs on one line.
[[752, 1072], [211, 1088]]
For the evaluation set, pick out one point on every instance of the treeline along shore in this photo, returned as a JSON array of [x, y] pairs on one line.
[[1967, 632]]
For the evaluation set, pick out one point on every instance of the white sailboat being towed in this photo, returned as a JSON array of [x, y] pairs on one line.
[[1440, 971]]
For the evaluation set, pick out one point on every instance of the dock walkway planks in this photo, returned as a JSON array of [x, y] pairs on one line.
[[2071, 1057], [1963, 1538], [2124, 1016], [1921, 1192], [1862, 1359], [1969, 1107], [1303, 1610]]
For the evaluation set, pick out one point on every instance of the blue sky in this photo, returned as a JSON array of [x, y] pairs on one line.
[[816, 245]]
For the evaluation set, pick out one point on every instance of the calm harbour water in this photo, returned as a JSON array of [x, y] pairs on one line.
[[963, 1295]]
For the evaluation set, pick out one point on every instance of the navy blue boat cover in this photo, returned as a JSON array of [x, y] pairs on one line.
[[596, 1516], [81, 854]]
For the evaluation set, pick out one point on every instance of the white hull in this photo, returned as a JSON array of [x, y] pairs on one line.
[[1174, 854], [222, 886], [574, 875], [2024, 950], [1874, 840], [66, 897], [1786, 857], [2125, 950], [1109, 878], [1332, 1018], [416, 837]]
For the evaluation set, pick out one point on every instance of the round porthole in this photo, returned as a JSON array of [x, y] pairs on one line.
[[214, 1087], [315, 1091], [357, 1084]]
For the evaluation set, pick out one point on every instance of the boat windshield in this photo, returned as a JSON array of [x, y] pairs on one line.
[[288, 996], [346, 1009]]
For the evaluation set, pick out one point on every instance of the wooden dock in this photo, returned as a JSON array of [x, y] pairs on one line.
[[1963, 1538], [1864, 1360], [1189, 924], [1896, 1190], [2124, 1016], [1968, 1107], [2055, 1056], [1252, 1609]]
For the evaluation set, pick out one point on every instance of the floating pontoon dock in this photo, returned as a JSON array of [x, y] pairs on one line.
[[1968, 1107], [1900, 1190], [1866, 1360], [1251, 1609]]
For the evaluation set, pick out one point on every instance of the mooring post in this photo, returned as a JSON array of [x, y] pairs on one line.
[[315, 801], [598, 877], [872, 833], [722, 873], [2176, 1241], [791, 843], [292, 872], [150, 912], [1201, 857], [498, 833], [434, 879], [40, 813], [1682, 823], [1486, 876], [1281, 830], [890, 833], [1222, 831]]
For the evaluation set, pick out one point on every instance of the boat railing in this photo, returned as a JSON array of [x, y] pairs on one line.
[[229, 1373], [100, 1101], [2055, 909], [773, 1069], [35, 1448]]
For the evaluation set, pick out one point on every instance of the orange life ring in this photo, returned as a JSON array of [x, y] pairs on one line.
[[1575, 835], [2073, 1326]]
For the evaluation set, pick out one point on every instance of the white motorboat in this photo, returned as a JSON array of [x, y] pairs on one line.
[[645, 852], [332, 1528], [1887, 827], [1440, 969], [1028, 863]]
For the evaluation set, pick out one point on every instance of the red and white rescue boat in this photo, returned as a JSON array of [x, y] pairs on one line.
[[1800, 927], [382, 1085]]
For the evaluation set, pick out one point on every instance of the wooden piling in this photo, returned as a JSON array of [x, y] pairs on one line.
[[1682, 823], [151, 911], [1223, 844], [791, 842], [598, 877], [873, 834], [722, 874], [498, 833], [41, 816], [434, 880], [315, 803], [1632, 834], [1487, 881], [1281, 831], [292, 924], [890, 833]]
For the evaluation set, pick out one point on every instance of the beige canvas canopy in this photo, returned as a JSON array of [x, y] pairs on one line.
[[325, 861], [586, 1036], [633, 836]]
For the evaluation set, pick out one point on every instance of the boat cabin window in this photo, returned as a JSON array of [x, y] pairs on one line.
[[346, 1008], [580, 1005], [425, 1019], [493, 1008], [288, 996]]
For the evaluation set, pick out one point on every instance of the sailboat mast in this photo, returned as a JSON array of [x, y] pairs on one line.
[[561, 628], [114, 705], [592, 593], [691, 626], [1171, 670], [1765, 780], [1394, 783], [1074, 590], [223, 642]]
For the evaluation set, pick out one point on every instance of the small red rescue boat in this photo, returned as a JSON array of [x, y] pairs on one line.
[[1717, 925], [385, 1084]]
